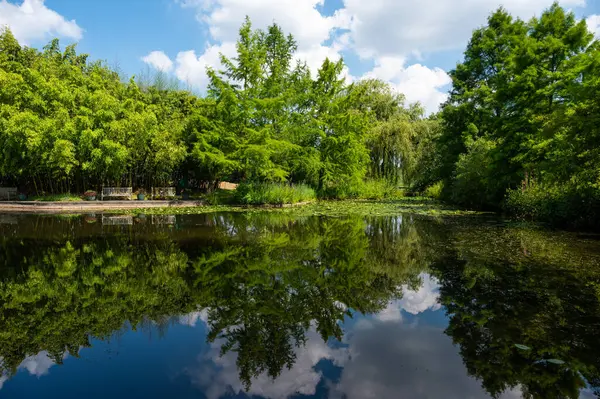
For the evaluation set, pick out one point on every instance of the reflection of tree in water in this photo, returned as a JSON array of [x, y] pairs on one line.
[[286, 280], [547, 300], [264, 280]]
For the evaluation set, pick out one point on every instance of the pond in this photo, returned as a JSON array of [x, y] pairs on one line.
[[272, 305]]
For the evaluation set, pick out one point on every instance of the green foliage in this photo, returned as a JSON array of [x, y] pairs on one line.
[[220, 197], [67, 124], [435, 190], [563, 206], [525, 89], [56, 197], [272, 194], [476, 184], [379, 190]]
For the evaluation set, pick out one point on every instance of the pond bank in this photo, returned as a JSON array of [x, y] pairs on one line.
[[85, 206], [114, 206]]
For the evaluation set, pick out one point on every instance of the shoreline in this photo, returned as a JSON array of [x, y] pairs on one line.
[[51, 207], [85, 206]]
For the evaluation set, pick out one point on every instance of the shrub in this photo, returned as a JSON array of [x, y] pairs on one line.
[[476, 183], [560, 206], [435, 190], [371, 189], [272, 193], [380, 189], [340, 191], [220, 197], [57, 197]]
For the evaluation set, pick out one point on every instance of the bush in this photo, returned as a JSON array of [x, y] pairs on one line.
[[220, 197], [340, 191], [476, 183], [272, 194], [560, 206], [68, 197], [371, 189], [380, 189], [435, 190]]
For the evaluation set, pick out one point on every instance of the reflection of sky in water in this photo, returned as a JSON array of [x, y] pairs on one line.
[[381, 356], [402, 352]]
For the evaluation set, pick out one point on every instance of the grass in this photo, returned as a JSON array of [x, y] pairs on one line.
[[380, 190], [273, 194], [56, 198], [434, 191]]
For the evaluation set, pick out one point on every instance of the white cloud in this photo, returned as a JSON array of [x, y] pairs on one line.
[[417, 82], [32, 20], [223, 18], [158, 60], [3, 379], [301, 18], [386, 32], [593, 23], [402, 27], [191, 68]]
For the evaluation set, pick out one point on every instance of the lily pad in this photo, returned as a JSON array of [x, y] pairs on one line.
[[523, 347]]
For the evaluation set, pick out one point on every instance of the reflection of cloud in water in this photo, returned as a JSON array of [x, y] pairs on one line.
[[37, 365], [218, 376], [426, 297], [413, 302], [381, 360], [391, 312], [191, 319], [391, 360]]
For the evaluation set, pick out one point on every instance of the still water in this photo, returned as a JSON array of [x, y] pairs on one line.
[[266, 305]]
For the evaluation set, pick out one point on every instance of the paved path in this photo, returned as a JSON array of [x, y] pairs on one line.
[[84, 206]]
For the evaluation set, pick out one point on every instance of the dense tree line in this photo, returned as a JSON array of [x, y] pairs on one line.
[[521, 126], [519, 131], [68, 124]]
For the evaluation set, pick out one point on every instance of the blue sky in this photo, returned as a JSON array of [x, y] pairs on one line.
[[410, 43]]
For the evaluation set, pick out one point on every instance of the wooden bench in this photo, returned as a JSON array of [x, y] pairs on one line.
[[116, 192], [8, 193], [163, 192]]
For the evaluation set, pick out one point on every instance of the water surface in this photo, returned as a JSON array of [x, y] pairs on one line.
[[269, 305]]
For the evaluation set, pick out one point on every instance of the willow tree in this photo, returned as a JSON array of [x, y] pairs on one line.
[[396, 131]]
